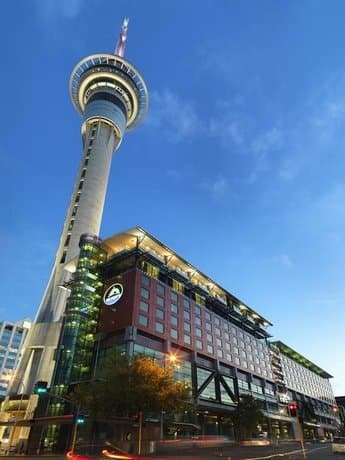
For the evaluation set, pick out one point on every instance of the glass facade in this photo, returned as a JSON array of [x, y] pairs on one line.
[[76, 345]]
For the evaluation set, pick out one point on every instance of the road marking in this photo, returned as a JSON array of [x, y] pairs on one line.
[[283, 454]]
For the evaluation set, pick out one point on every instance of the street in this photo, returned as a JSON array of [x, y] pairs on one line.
[[290, 451], [281, 452]]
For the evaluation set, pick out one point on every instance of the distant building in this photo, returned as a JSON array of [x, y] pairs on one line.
[[12, 336], [132, 293], [341, 408]]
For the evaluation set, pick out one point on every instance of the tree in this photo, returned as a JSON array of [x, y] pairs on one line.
[[247, 416], [128, 385]]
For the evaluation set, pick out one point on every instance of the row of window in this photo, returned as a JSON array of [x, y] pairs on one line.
[[187, 327], [246, 361], [77, 198], [174, 308]]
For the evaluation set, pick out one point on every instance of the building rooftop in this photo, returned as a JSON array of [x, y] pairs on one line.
[[138, 238]]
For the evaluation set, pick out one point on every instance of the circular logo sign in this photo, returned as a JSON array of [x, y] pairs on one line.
[[113, 294]]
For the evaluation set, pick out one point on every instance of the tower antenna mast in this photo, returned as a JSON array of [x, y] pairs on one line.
[[121, 43]]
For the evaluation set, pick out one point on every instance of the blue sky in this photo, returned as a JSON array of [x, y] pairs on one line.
[[239, 165]]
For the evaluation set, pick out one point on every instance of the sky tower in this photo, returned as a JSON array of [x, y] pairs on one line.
[[112, 98]]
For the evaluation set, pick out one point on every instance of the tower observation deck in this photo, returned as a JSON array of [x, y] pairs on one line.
[[112, 98]]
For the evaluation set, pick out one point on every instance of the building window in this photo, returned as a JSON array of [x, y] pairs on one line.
[[173, 320], [145, 280], [198, 344], [187, 339], [186, 303], [207, 315], [217, 330], [219, 353], [159, 314], [210, 349], [186, 327], [173, 296], [209, 338], [200, 299], [186, 315], [177, 286], [228, 346], [228, 357], [173, 308], [208, 327], [150, 269], [143, 320], [160, 289], [173, 333], [219, 342], [160, 301], [159, 328], [198, 332], [197, 310], [144, 306], [144, 293], [216, 321], [197, 321]]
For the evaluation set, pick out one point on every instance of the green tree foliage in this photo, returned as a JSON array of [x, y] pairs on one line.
[[127, 385], [247, 417]]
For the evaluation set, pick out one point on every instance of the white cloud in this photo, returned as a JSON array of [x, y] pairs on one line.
[[284, 260], [216, 188], [267, 141], [174, 116]]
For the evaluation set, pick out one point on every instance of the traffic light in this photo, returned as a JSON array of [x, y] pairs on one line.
[[40, 388], [80, 419], [293, 409]]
